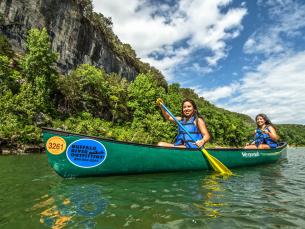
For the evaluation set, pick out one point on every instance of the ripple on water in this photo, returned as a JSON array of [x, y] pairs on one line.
[[269, 196]]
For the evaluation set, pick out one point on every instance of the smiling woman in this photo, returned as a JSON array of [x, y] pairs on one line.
[[265, 134], [192, 122]]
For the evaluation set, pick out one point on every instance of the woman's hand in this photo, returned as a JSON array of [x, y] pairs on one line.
[[200, 143], [250, 143], [159, 102]]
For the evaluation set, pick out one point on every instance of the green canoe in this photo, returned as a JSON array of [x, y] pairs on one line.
[[76, 155]]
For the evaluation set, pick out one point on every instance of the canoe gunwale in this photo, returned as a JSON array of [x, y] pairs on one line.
[[66, 133]]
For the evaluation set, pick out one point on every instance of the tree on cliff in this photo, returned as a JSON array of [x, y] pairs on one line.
[[38, 67], [25, 91]]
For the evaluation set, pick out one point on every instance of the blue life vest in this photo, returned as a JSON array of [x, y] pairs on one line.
[[183, 138], [264, 138]]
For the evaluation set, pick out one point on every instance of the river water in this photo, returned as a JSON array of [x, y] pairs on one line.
[[268, 196]]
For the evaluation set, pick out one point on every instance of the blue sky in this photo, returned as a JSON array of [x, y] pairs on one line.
[[244, 56]]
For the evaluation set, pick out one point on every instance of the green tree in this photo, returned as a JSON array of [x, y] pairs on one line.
[[85, 90], [118, 98], [147, 121], [8, 76], [39, 59], [174, 98], [38, 66], [143, 93]]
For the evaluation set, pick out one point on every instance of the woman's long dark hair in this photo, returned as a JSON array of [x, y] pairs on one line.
[[196, 113], [267, 120]]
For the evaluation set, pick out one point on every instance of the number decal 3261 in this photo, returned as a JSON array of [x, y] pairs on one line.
[[56, 145]]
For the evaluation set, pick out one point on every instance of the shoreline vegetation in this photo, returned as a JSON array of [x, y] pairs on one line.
[[33, 94]]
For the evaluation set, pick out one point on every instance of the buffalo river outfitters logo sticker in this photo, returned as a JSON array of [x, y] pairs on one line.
[[86, 153], [56, 145]]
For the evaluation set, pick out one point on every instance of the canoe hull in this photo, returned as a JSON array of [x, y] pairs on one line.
[[73, 155]]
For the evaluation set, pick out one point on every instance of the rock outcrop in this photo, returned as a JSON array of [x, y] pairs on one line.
[[73, 35]]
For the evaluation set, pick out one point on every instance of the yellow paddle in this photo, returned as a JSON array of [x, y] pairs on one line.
[[214, 162]]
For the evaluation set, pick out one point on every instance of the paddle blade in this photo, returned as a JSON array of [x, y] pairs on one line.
[[216, 164]]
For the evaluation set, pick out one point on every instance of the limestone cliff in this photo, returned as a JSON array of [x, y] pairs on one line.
[[73, 35]]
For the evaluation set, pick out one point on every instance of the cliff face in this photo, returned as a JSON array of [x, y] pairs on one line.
[[73, 36]]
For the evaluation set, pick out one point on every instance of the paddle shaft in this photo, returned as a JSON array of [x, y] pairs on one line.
[[179, 124]]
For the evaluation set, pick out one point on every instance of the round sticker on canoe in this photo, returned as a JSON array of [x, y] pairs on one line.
[[86, 153], [56, 145]]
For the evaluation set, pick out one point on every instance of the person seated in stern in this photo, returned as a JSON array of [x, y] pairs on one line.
[[265, 134], [193, 123]]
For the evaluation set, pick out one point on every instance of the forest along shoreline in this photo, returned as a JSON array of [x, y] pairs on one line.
[[115, 102]]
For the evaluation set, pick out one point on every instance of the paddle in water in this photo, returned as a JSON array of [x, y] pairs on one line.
[[214, 162]]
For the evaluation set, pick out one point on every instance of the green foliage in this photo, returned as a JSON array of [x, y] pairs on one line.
[[39, 59], [17, 124], [5, 46], [118, 98], [8, 76], [147, 122], [158, 130], [225, 129], [84, 123], [292, 133], [174, 99], [25, 93], [143, 93], [38, 68], [90, 101], [85, 89], [13, 112]]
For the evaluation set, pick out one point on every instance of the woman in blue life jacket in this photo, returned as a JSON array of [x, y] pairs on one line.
[[265, 134], [194, 124]]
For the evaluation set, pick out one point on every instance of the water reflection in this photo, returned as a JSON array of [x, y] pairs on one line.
[[213, 199], [269, 193], [71, 203], [151, 197], [267, 196]]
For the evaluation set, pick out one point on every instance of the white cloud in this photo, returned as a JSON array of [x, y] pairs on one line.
[[219, 93], [276, 88], [197, 24], [286, 20], [267, 44]]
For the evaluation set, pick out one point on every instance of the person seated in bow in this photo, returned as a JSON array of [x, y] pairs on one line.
[[194, 124], [265, 134]]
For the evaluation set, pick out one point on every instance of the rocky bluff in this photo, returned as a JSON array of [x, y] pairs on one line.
[[73, 35]]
